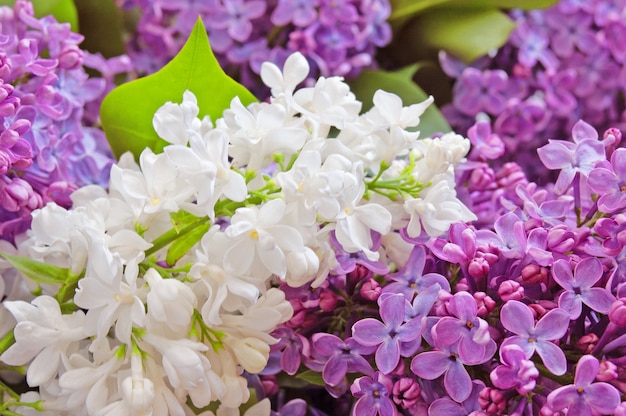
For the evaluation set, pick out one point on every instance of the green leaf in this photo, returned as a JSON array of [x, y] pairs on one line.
[[62, 10], [399, 82], [127, 111], [311, 377], [42, 273], [182, 218], [401, 9], [182, 245], [101, 25], [464, 33]]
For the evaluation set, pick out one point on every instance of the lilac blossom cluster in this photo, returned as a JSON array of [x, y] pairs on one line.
[[561, 64], [338, 37], [49, 141], [521, 312]]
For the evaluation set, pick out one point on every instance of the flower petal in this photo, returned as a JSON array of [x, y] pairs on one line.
[[517, 318]]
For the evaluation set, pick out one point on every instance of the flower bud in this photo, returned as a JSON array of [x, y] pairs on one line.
[[560, 239], [587, 343], [492, 401], [485, 304], [252, 353], [607, 371], [370, 290], [510, 290], [328, 301], [406, 392], [534, 274], [617, 312], [478, 267]]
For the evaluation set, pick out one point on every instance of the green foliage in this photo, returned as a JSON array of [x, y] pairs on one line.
[[399, 82], [127, 111], [409, 8], [62, 10], [101, 25], [42, 273]]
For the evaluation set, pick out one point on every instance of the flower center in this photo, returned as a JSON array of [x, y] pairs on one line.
[[254, 235]]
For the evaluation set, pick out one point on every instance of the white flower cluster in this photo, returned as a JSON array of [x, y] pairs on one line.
[[171, 273]]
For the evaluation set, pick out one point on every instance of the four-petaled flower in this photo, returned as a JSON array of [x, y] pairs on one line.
[[584, 397], [517, 318]]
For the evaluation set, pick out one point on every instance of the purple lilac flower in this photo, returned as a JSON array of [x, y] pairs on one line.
[[585, 397], [447, 362], [388, 334], [448, 407], [464, 329], [610, 183], [478, 91], [517, 318], [340, 357], [337, 37], [373, 396], [516, 370], [579, 286], [292, 346], [49, 109]]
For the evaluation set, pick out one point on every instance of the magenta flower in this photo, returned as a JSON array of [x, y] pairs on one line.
[[300, 12], [388, 335], [579, 286], [517, 318], [584, 397], [464, 329], [477, 91], [373, 395], [610, 183], [516, 371]]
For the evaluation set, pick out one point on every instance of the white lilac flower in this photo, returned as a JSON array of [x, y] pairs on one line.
[[43, 335], [176, 123]]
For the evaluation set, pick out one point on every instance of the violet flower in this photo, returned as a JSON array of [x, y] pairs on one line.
[[584, 397], [465, 329], [610, 183], [446, 406], [517, 318], [516, 371], [388, 334], [340, 357], [579, 286], [373, 396]]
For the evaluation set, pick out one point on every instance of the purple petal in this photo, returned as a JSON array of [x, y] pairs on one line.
[[555, 155], [504, 377], [562, 397], [463, 306], [588, 272], [445, 406], [334, 370], [552, 325], [586, 371], [564, 180], [458, 382], [562, 274], [388, 355], [392, 310], [369, 332], [447, 331], [571, 303], [290, 359], [552, 356], [527, 347], [603, 398], [598, 299], [602, 181], [582, 131], [365, 406], [517, 318], [326, 344], [471, 352], [430, 364]]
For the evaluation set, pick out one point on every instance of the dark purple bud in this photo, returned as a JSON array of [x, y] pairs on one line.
[[587, 343], [492, 401], [371, 290], [534, 274], [406, 392]]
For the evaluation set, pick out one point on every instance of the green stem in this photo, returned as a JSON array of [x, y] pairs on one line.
[[172, 235], [7, 341], [543, 370]]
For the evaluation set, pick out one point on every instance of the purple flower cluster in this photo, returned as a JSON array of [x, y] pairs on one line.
[[338, 37], [560, 65], [49, 141], [522, 312]]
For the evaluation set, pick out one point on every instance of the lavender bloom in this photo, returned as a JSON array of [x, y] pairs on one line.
[[445, 406], [373, 396], [447, 362], [579, 286], [340, 357], [299, 12], [292, 345], [236, 17], [465, 329], [478, 91], [410, 280], [516, 371], [388, 334], [610, 183], [585, 397], [517, 318]]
